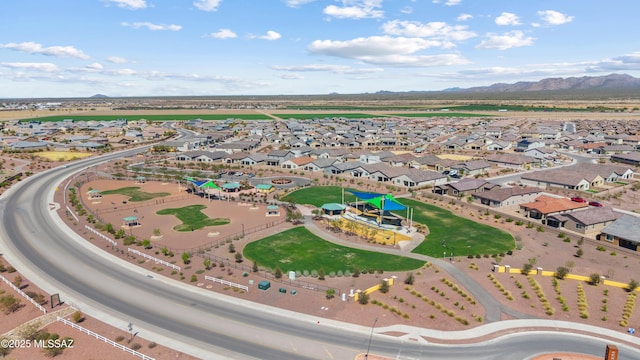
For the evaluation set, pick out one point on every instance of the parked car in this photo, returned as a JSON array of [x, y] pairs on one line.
[[231, 173], [251, 175], [578, 199], [595, 203], [239, 173]]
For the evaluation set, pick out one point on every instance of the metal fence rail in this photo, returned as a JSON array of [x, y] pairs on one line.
[[225, 282], [101, 235], [108, 341]]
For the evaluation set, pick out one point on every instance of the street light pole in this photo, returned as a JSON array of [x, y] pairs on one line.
[[366, 356]]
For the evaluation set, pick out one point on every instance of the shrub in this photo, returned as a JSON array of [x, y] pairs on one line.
[[561, 272], [77, 317], [409, 279], [594, 279]]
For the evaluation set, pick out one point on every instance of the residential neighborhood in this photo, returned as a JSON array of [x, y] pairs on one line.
[[459, 157]]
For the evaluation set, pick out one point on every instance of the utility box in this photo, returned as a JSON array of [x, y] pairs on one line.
[[612, 353], [282, 290], [264, 285]]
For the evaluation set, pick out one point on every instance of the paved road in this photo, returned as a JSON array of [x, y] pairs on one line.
[[206, 324]]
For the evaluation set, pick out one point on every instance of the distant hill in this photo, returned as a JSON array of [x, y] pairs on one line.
[[607, 82], [99, 96]]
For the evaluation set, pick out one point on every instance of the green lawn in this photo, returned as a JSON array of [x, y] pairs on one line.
[[134, 193], [440, 114], [319, 195], [298, 249], [192, 218], [153, 117], [464, 236]]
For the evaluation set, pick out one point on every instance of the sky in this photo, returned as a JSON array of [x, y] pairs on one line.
[[122, 48]]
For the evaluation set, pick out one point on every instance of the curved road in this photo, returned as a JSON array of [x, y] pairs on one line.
[[202, 323]]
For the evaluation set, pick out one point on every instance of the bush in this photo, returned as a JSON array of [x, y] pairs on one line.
[[77, 317], [409, 279], [561, 272], [594, 279]]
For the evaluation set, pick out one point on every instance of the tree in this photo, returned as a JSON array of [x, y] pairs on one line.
[[384, 287], [356, 271], [526, 269], [410, 279], [207, 263], [331, 293], [146, 243], [363, 298], [561, 272], [238, 257], [186, 258], [77, 317], [579, 253], [632, 285], [254, 268], [17, 281], [278, 272], [232, 248], [594, 279], [321, 274]]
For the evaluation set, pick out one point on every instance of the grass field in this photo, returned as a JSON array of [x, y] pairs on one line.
[[62, 155], [464, 237], [192, 218], [441, 114], [134, 193], [323, 116], [319, 195], [298, 250]]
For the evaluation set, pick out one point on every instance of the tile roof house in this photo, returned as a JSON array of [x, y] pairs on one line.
[[624, 232], [560, 178], [295, 163], [419, 178], [464, 186], [544, 206], [511, 160]]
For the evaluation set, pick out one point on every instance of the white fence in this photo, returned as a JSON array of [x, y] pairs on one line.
[[228, 283], [108, 341], [158, 261], [101, 235], [72, 214], [23, 294]]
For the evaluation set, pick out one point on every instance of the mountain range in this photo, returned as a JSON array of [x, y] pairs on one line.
[[606, 82]]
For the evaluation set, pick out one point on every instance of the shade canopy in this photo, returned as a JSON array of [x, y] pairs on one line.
[[386, 203], [209, 185], [364, 195]]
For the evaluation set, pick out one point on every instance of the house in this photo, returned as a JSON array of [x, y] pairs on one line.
[[254, 159], [588, 222], [201, 156], [464, 186], [276, 157], [544, 206], [541, 153], [419, 178], [528, 144], [560, 178], [513, 161], [473, 167], [296, 163], [508, 198], [319, 164], [631, 158], [624, 232]]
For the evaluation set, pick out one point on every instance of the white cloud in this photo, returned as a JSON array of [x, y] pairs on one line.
[[271, 35], [448, 2], [438, 30], [94, 66], [35, 48], [152, 26], [117, 60], [630, 62], [336, 69], [291, 76], [505, 41], [356, 9], [464, 17], [128, 4], [297, 3], [508, 19], [394, 51], [552, 17], [44, 67], [406, 10], [223, 34], [207, 5]]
